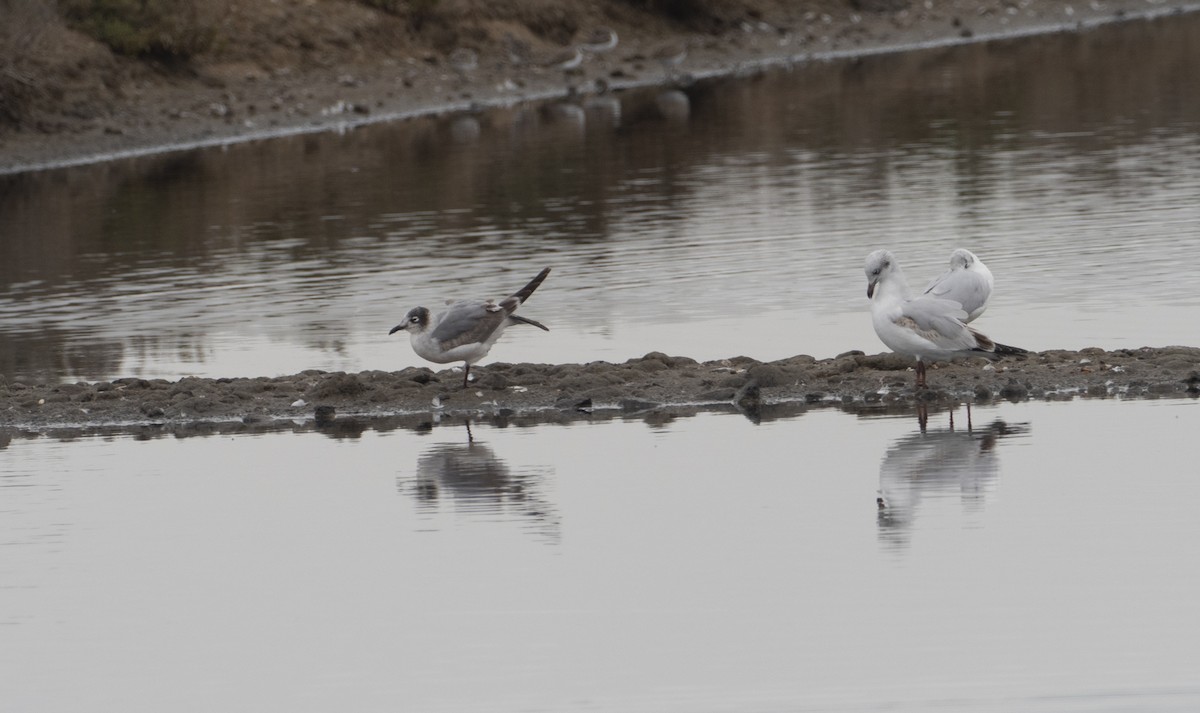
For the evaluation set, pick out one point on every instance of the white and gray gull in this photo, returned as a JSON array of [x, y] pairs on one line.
[[467, 329], [968, 282], [926, 327]]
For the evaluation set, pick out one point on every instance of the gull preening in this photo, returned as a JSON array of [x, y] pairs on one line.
[[967, 282], [927, 327], [467, 329]]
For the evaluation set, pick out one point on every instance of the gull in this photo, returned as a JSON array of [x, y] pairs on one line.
[[467, 330], [926, 327], [967, 282], [463, 60], [519, 51], [567, 59], [599, 40], [670, 56]]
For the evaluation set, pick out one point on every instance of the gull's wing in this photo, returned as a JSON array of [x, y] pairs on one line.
[[468, 322], [966, 287], [939, 321]]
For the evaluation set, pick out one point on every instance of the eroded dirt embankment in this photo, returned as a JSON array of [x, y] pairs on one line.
[[647, 384], [296, 66]]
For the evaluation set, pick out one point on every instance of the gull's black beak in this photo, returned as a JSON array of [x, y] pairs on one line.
[[397, 328], [870, 292]]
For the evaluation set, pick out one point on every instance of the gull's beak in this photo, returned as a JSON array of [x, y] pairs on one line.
[[870, 291], [398, 328]]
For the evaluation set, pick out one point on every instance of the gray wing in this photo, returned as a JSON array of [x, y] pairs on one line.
[[965, 287], [467, 323], [940, 321]]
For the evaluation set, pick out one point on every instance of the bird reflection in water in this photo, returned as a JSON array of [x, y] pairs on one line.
[[474, 480], [673, 105], [934, 463]]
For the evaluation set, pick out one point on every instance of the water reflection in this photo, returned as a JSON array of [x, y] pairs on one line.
[[674, 105], [471, 478], [735, 555], [936, 463], [465, 129]]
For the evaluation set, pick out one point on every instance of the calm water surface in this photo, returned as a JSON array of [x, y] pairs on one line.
[[1046, 559], [729, 219]]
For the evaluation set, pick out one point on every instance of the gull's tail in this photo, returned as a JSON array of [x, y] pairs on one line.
[[984, 344], [1005, 349], [526, 320], [524, 293]]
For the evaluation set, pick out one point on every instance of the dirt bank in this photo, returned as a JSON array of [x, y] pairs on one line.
[[650, 384], [301, 65]]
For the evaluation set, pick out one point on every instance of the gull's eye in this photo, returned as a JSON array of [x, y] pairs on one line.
[[414, 319]]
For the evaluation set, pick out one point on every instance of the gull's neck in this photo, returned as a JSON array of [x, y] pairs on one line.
[[894, 288]]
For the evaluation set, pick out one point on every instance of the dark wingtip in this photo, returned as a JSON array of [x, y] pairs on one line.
[[526, 320], [524, 293], [1006, 349]]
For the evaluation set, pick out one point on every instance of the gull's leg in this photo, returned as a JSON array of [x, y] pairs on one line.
[[920, 374], [466, 374]]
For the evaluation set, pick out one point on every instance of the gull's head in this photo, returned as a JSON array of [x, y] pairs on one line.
[[879, 263], [962, 259], [415, 322]]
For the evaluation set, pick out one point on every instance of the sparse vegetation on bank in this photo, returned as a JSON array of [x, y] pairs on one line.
[[166, 30]]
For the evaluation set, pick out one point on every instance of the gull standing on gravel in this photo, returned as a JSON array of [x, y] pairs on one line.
[[467, 329], [670, 56], [566, 60], [967, 282], [926, 327], [463, 60], [599, 40]]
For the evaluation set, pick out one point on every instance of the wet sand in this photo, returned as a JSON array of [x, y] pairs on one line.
[[653, 384]]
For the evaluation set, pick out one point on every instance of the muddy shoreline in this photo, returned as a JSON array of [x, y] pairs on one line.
[[655, 383], [222, 101]]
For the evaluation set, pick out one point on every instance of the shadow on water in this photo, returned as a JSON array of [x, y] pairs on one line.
[[173, 264], [934, 463]]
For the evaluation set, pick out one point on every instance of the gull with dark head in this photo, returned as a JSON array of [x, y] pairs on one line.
[[926, 327], [467, 329], [967, 282]]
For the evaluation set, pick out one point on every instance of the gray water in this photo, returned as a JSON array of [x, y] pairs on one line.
[[1045, 559], [1036, 557], [730, 218]]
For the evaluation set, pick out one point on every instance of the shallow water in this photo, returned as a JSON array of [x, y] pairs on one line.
[[1043, 560], [731, 218]]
